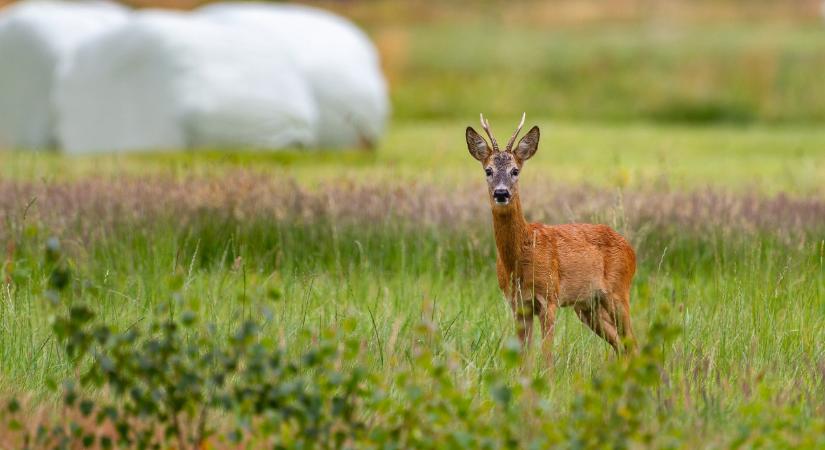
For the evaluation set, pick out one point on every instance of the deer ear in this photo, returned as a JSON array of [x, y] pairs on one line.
[[528, 145], [477, 145]]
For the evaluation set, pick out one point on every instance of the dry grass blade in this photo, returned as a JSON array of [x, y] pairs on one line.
[[92, 207]]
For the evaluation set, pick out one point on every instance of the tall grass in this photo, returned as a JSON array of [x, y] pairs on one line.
[[742, 276]]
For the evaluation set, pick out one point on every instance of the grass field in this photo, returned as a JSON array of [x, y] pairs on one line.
[[657, 71], [762, 159], [693, 128], [389, 237], [681, 62]]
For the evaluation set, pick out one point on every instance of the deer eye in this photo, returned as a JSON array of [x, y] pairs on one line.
[[488, 171], [514, 172]]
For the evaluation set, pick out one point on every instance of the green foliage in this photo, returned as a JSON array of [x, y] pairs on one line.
[[619, 408], [170, 381], [175, 382]]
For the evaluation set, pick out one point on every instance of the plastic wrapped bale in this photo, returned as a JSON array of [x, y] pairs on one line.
[[336, 57], [167, 80], [37, 41]]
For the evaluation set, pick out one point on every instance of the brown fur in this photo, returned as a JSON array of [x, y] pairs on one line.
[[542, 267]]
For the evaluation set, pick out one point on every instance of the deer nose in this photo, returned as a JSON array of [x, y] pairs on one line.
[[501, 195]]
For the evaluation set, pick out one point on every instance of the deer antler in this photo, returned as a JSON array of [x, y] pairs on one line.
[[486, 125], [512, 140]]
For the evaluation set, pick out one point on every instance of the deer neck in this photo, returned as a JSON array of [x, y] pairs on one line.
[[510, 229]]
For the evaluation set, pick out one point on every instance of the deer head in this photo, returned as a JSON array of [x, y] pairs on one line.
[[502, 167]]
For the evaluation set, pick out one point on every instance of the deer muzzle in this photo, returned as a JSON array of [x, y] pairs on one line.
[[501, 196]]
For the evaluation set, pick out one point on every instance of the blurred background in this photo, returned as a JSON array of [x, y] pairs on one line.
[[681, 93], [699, 61], [672, 60]]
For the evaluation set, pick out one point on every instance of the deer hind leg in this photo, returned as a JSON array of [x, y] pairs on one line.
[[609, 328], [597, 319], [621, 316]]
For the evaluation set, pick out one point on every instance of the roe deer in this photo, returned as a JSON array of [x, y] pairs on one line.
[[542, 267]]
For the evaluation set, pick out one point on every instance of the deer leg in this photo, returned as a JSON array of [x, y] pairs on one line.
[[585, 314], [548, 328], [523, 314], [621, 316], [524, 328], [591, 316], [608, 325], [617, 319]]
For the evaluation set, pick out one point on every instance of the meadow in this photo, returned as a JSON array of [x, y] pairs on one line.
[[732, 255], [703, 145]]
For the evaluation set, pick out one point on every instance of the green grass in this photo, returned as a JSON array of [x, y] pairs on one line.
[[750, 307], [751, 303], [731, 71], [765, 159]]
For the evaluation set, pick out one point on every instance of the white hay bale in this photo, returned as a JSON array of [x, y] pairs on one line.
[[168, 80], [338, 60], [37, 41]]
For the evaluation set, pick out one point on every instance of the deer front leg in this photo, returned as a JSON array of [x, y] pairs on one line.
[[523, 315], [522, 308], [548, 328]]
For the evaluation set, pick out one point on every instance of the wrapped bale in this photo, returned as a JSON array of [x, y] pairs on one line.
[[337, 59], [37, 42], [168, 80]]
